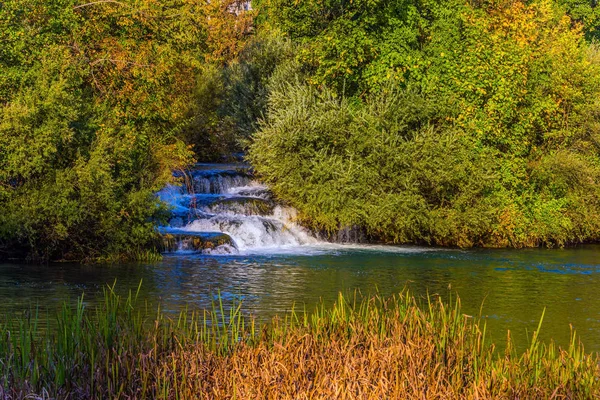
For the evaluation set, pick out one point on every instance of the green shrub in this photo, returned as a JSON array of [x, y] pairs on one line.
[[91, 105], [490, 140], [385, 165], [229, 100]]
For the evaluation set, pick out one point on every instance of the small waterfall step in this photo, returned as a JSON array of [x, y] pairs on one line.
[[242, 205], [222, 208]]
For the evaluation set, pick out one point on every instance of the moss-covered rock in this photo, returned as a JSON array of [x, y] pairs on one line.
[[194, 241]]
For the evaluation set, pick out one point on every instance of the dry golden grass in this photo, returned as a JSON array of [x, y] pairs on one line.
[[388, 350], [371, 348]]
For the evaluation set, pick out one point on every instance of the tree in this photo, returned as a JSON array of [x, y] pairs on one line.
[[480, 131], [93, 99]]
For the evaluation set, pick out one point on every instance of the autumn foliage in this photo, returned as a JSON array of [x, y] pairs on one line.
[[93, 99]]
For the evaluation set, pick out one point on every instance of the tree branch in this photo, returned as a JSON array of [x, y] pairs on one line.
[[100, 2], [114, 61]]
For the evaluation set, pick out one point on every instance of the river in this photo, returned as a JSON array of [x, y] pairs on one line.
[[270, 263]]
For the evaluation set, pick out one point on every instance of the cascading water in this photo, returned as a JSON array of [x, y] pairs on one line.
[[222, 210]]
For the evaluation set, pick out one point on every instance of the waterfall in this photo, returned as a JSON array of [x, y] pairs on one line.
[[221, 209]]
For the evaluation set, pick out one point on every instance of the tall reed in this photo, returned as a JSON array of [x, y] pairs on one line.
[[361, 347]]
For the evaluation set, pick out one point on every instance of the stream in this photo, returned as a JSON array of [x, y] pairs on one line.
[[227, 234]]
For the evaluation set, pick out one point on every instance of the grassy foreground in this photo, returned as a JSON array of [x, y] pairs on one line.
[[359, 348]]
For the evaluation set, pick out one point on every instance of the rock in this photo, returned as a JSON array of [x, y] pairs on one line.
[[194, 241]]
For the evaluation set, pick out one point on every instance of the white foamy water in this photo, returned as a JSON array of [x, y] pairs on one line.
[[219, 184], [253, 189], [254, 231], [224, 199]]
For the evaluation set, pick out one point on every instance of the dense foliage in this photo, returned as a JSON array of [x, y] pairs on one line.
[[229, 99], [93, 101], [438, 122], [443, 122]]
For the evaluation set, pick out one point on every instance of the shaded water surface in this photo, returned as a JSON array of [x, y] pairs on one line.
[[511, 286]]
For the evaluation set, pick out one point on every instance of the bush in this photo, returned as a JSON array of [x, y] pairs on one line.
[[490, 140], [229, 100], [92, 100], [384, 165]]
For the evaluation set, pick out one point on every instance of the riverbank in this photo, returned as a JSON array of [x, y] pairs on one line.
[[358, 348]]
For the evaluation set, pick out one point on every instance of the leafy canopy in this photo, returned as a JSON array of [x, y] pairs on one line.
[[455, 124], [93, 99]]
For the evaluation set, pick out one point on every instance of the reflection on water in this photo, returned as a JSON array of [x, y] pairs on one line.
[[514, 286]]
